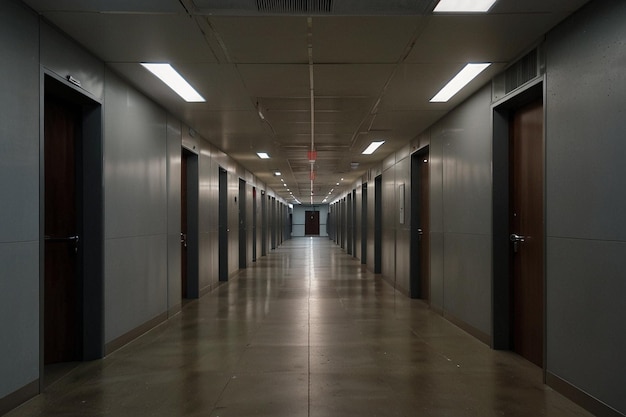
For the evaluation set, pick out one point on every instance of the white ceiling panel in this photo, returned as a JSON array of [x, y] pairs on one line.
[[536, 6], [263, 39], [362, 39], [351, 80], [136, 37], [276, 80], [486, 38], [142, 6]]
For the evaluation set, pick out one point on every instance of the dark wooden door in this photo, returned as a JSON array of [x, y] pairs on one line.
[[62, 123], [312, 223], [527, 230], [183, 225], [223, 225]]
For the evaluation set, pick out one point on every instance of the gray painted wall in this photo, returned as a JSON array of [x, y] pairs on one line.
[[464, 140], [142, 151], [586, 202], [135, 183], [19, 186]]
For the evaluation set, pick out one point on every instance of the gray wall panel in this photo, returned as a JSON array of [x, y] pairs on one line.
[[233, 222], [64, 57], [136, 282], [467, 282], [586, 228], [436, 270], [466, 137], [585, 311], [436, 223], [173, 212], [403, 231], [207, 212], [135, 153], [19, 186], [390, 219], [586, 125], [135, 163], [19, 123], [19, 315]]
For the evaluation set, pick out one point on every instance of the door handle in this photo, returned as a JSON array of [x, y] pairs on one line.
[[75, 239], [516, 239]]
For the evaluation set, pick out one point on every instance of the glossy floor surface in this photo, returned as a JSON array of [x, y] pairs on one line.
[[305, 331]]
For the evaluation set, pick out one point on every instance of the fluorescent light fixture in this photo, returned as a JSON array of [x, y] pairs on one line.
[[464, 6], [467, 74], [175, 81], [263, 155], [372, 148], [277, 173]]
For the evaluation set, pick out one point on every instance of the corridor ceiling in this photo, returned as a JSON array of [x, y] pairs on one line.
[[371, 67]]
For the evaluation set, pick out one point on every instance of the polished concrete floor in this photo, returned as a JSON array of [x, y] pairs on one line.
[[305, 331]]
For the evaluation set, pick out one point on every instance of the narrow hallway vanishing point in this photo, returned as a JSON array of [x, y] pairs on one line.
[[305, 331]]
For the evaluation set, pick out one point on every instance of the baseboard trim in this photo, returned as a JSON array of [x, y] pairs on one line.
[[16, 398], [478, 334], [591, 404], [128, 337], [174, 310]]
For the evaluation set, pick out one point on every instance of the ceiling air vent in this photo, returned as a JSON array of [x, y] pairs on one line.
[[295, 6], [526, 69]]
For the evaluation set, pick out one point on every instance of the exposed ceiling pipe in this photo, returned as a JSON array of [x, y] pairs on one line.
[[312, 96]]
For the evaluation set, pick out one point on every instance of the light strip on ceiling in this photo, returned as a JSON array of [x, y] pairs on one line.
[[263, 155], [167, 74], [464, 6], [372, 148], [467, 74]]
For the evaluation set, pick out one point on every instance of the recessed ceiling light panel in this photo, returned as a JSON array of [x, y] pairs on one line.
[[175, 81], [372, 147], [467, 74], [464, 6], [263, 155]]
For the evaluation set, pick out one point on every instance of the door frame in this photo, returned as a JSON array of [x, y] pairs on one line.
[[416, 283], [501, 253], [193, 235], [222, 224], [378, 224], [243, 227], [90, 197]]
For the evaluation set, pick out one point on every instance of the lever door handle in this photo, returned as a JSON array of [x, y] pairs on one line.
[[516, 238]]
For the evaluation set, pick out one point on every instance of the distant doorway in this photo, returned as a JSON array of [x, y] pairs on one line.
[[223, 225], [189, 236], [378, 224], [243, 227], [420, 220], [254, 224], [312, 223], [364, 225]]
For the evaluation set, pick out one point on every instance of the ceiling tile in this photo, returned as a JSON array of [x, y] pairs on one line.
[[362, 39], [263, 39], [136, 37]]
